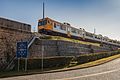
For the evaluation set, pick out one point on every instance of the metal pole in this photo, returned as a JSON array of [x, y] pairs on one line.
[[25, 64], [43, 11], [42, 57], [18, 64]]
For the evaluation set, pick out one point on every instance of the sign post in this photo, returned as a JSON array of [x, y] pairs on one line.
[[25, 64], [18, 64], [22, 52], [42, 57]]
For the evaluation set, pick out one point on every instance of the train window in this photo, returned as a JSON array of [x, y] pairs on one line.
[[41, 23], [54, 25], [89, 34], [73, 30]]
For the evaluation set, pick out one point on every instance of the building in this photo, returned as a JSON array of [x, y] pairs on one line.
[[14, 25], [11, 32]]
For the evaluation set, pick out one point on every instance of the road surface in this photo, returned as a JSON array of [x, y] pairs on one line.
[[107, 71]]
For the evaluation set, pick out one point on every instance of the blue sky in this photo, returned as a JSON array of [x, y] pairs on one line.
[[103, 15]]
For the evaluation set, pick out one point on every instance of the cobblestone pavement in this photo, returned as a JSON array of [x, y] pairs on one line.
[[107, 71]]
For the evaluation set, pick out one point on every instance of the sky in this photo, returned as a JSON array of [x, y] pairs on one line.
[[103, 15]]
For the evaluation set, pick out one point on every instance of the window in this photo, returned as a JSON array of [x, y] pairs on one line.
[[54, 25], [73, 30], [41, 23], [89, 34], [48, 22]]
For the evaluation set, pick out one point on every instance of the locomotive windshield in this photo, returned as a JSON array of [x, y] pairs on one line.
[[43, 22]]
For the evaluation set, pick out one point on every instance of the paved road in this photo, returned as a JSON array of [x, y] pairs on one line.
[[107, 71]]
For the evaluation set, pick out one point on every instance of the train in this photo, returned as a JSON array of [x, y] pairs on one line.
[[51, 27]]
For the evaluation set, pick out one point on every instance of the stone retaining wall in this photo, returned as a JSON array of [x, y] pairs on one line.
[[61, 48], [10, 33]]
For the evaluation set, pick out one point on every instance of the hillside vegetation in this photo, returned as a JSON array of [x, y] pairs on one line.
[[68, 39]]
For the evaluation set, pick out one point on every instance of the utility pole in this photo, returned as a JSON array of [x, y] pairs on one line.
[[43, 10]]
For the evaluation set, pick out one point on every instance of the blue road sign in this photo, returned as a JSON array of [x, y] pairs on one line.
[[22, 49]]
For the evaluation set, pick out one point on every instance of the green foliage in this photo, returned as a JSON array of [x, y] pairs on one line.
[[95, 56], [53, 62], [69, 39]]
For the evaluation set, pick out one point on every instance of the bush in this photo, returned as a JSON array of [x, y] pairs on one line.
[[95, 56], [53, 62]]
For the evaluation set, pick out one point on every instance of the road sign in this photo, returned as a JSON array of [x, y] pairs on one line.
[[22, 49]]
